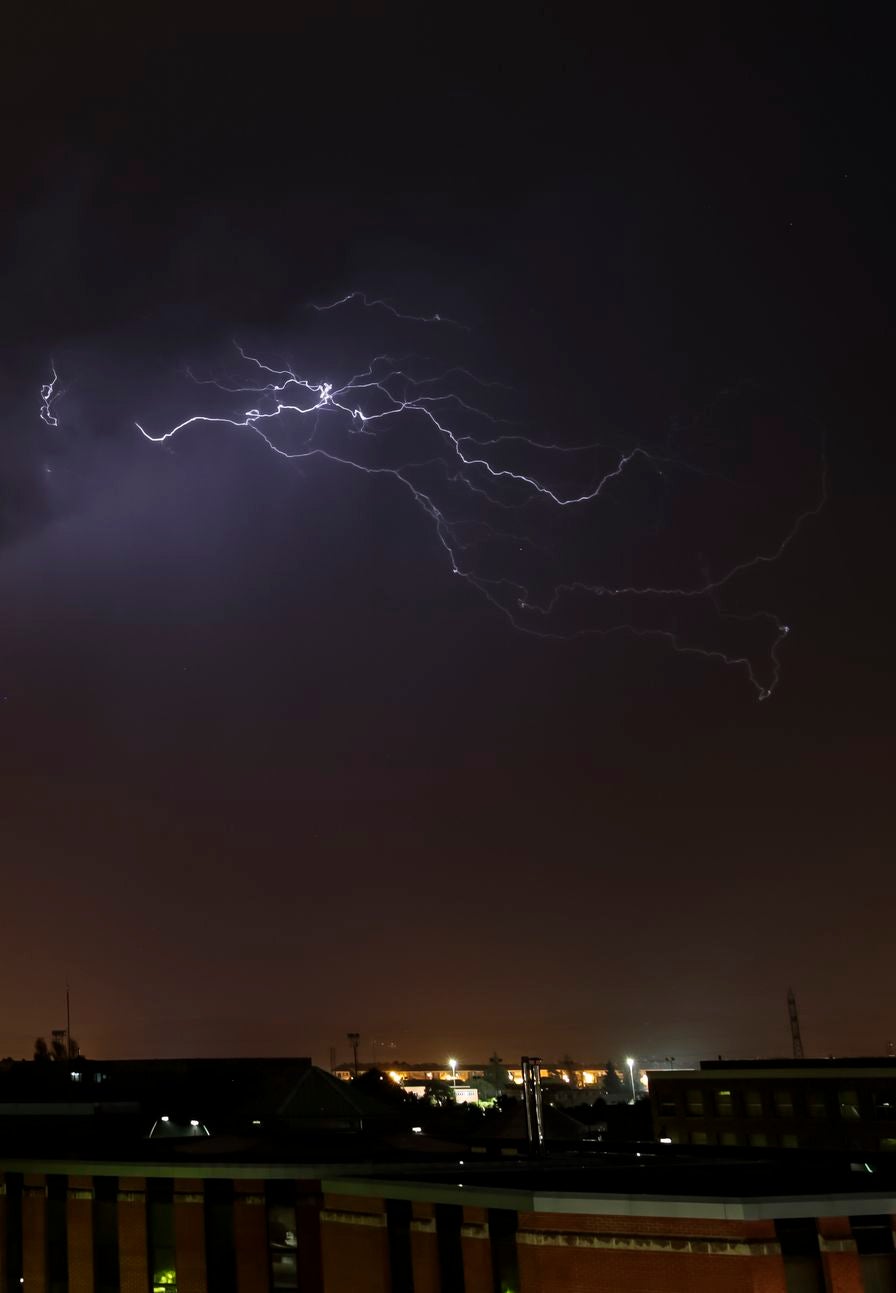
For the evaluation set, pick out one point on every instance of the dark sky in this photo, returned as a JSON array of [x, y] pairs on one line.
[[269, 771]]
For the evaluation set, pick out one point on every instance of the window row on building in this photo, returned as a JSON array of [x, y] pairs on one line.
[[61, 1234], [103, 1232], [757, 1139], [780, 1102]]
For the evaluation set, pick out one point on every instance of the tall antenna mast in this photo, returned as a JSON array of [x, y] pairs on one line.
[[68, 1023], [794, 1025]]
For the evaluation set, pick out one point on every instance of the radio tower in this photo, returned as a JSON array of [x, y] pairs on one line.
[[794, 1025]]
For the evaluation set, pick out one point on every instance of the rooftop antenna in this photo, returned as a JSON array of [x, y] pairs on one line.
[[354, 1039], [794, 1025]]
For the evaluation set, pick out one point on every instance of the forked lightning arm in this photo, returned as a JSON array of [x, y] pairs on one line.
[[348, 424], [48, 396]]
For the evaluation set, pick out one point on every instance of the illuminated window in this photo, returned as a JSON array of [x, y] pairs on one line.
[[885, 1104], [753, 1103], [758, 1139], [783, 1101], [888, 1144], [699, 1138], [728, 1138], [724, 1104], [160, 1236], [694, 1102], [789, 1140], [668, 1108], [849, 1104], [282, 1242]]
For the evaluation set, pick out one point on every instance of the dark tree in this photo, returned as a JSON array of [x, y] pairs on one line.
[[56, 1051], [611, 1084], [438, 1093], [379, 1085], [497, 1072]]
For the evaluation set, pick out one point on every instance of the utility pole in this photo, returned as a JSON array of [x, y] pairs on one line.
[[354, 1039], [794, 1025], [531, 1070], [68, 1024]]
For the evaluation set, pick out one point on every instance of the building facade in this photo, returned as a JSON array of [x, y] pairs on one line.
[[789, 1104], [418, 1074], [218, 1227]]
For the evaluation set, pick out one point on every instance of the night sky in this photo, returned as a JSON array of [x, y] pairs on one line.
[[270, 772]]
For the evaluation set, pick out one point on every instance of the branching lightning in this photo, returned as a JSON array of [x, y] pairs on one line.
[[385, 421], [49, 395], [363, 299]]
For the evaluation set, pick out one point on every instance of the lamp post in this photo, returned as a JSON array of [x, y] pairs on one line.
[[452, 1064], [631, 1073]]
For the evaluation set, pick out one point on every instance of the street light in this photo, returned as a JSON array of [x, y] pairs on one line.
[[631, 1072], [452, 1064]]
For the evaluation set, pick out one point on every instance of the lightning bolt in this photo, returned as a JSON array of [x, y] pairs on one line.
[[369, 422], [49, 395], [363, 299]]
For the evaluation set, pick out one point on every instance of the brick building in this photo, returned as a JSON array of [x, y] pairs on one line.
[[207, 1220], [807, 1104], [254, 1176]]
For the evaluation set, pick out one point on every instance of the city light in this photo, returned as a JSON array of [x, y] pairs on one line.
[[452, 1064], [631, 1073]]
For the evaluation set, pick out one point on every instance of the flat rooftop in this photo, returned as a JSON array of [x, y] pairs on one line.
[[810, 1062], [664, 1172]]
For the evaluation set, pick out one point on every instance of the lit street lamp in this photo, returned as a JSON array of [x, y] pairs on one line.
[[452, 1064], [631, 1073]]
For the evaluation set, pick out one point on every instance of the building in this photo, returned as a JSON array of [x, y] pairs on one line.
[[206, 1217], [418, 1074], [273, 1175], [845, 1104], [91, 1101], [285, 1178]]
